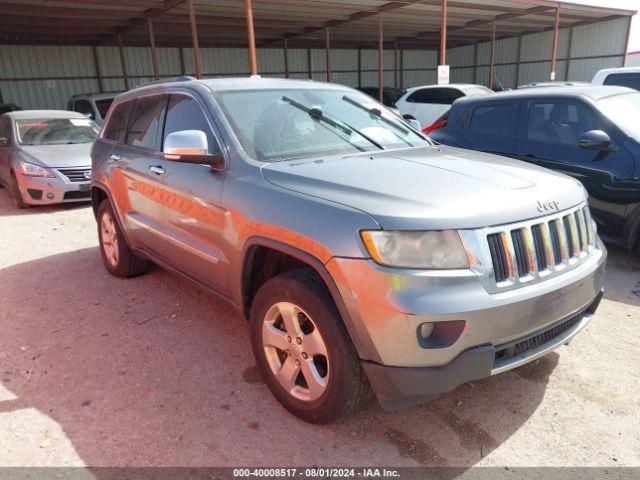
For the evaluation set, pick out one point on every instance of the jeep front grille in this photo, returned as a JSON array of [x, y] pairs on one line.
[[529, 251]]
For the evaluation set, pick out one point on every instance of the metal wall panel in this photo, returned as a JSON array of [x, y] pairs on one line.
[[584, 70], [604, 38], [66, 70]]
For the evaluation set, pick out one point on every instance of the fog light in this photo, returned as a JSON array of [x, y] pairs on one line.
[[50, 195], [426, 329], [440, 334]]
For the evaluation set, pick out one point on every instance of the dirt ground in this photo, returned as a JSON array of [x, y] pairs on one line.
[[153, 371]]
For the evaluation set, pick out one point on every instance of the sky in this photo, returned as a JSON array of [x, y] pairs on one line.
[[634, 40]]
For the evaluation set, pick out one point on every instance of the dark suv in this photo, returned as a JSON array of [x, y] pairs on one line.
[[591, 133]]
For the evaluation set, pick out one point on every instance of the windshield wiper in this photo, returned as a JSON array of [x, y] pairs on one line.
[[341, 125], [375, 112]]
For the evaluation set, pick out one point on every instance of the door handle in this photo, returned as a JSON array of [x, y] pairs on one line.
[[157, 169], [114, 156]]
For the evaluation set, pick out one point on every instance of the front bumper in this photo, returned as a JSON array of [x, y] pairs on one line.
[[385, 327], [398, 387], [47, 191]]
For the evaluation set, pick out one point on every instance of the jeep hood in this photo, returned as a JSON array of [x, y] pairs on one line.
[[431, 188], [57, 156]]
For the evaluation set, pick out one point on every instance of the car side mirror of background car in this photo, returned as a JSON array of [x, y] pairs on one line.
[[191, 146], [91, 115], [595, 140], [4, 141], [411, 120]]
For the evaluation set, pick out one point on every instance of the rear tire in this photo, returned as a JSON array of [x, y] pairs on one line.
[[16, 196], [303, 350], [118, 258]]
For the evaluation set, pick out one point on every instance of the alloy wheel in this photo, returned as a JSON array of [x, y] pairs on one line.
[[109, 238], [295, 351]]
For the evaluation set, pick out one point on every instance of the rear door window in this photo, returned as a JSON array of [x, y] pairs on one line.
[[145, 121], [117, 124], [631, 80], [426, 95], [492, 127], [450, 95]]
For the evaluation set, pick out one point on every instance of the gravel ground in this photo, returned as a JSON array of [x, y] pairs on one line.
[[154, 371]]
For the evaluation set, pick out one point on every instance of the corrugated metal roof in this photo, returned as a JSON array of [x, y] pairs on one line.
[[413, 23]]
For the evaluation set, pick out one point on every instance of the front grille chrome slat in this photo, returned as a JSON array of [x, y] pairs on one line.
[[75, 175], [533, 250]]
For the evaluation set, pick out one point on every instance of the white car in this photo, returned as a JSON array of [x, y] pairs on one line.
[[429, 102], [623, 77], [93, 105]]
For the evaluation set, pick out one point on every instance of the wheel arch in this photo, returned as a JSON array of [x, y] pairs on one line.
[[256, 246]]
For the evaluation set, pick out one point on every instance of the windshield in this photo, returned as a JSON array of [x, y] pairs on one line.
[[55, 131], [283, 124], [624, 111]]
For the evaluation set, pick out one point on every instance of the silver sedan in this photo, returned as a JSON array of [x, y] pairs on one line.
[[45, 156]]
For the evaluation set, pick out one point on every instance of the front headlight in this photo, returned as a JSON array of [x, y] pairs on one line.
[[31, 170], [429, 250]]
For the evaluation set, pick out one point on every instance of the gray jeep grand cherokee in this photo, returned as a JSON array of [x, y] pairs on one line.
[[364, 256]]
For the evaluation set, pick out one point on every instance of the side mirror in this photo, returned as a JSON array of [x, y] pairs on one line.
[[4, 142], [91, 116], [191, 146], [411, 120], [595, 140]]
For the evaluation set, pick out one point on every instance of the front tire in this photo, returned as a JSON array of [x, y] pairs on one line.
[[16, 196], [303, 350], [118, 258]]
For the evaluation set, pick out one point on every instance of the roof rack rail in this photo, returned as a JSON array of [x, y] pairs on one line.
[[182, 78]]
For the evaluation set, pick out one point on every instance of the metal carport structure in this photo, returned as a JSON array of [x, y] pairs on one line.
[[355, 42]]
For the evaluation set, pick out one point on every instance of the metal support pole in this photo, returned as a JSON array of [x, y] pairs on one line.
[[123, 64], [285, 51], [443, 33], [492, 53], [359, 67], [518, 61], [626, 46], [327, 47], [309, 63], [475, 62], [380, 58], [395, 64], [154, 53], [251, 36], [181, 55], [194, 39], [96, 65], [554, 51], [569, 48], [401, 68]]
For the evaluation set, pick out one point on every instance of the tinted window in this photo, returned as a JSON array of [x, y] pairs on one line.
[[631, 80], [184, 113], [103, 106], [145, 121], [499, 119], [426, 95], [83, 106], [5, 129], [117, 122], [449, 95], [560, 122]]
